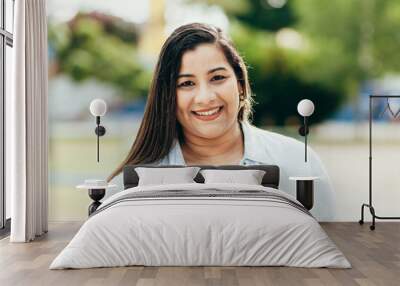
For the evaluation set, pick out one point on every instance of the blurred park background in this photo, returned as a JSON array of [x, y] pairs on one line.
[[334, 52]]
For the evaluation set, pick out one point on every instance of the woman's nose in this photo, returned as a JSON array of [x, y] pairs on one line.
[[205, 95]]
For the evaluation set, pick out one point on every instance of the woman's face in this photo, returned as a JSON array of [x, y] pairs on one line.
[[207, 92]]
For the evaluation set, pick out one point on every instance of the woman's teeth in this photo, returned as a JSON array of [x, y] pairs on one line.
[[210, 112]]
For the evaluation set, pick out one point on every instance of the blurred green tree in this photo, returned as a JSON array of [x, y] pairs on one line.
[[343, 44], [351, 41], [263, 32], [103, 47], [270, 15], [261, 15], [277, 82]]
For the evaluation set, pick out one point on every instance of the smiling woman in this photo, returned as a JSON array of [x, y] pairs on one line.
[[198, 113], [199, 95]]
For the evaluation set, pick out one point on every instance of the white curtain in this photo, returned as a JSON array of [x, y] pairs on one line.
[[26, 123]]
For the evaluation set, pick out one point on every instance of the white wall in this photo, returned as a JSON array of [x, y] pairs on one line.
[[347, 165]]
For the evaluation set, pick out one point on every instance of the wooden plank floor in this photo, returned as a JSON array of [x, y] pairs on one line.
[[374, 255]]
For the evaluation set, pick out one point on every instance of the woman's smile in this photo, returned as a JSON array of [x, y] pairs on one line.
[[208, 114]]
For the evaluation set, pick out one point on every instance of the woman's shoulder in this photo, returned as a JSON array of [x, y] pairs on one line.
[[285, 151], [270, 137], [270, 147]]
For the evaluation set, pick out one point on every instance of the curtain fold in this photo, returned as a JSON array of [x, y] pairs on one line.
[[26, 124]]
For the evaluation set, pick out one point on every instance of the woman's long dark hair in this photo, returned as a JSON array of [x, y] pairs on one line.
[[159, 127]]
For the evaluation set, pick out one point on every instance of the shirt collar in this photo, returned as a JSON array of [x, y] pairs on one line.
[[254, 145], [254, 150]]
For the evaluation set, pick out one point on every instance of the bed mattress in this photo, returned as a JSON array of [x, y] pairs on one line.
[[201, 225]]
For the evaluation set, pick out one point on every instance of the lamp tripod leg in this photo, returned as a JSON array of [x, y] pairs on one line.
[[361, 221], [372, 210]]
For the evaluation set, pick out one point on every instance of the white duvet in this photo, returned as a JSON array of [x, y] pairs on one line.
[[182, 231]]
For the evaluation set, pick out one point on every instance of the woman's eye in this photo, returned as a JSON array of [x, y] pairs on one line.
[[186, 83], [218, 77]]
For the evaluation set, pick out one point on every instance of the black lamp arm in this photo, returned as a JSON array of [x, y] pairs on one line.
[[100, 131], [305, 138], [303, 131]]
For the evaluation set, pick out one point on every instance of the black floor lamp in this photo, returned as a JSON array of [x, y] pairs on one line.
[[395, 114]]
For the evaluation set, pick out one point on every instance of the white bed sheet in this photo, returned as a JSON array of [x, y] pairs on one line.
[[200, 231]]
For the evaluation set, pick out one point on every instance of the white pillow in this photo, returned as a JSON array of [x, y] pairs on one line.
[[249, 177], [162, 176]]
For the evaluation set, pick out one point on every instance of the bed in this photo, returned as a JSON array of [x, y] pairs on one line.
[[201, 224]]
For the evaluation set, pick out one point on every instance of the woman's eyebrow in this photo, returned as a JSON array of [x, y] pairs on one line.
[[210, 71], [216, 69], [185, 75]]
